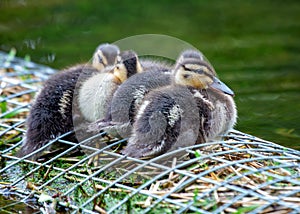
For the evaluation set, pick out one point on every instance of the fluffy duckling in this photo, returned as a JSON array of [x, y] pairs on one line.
[[197, 107], [51, 112], [96, 92]]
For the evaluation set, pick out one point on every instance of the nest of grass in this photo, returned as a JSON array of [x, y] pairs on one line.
[[239, 174]]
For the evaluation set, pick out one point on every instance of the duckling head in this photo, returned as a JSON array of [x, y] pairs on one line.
[[105, 55], [127, 65], [196, 73]]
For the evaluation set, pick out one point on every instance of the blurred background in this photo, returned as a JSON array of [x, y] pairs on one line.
[[253, 45]]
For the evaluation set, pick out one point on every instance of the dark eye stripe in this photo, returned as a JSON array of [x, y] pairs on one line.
[[100, 59], [187, 69], [199, 71]]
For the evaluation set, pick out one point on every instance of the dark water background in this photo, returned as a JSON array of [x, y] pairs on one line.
[[253, 45]]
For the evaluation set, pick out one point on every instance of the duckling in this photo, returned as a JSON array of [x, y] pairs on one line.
[[97, 91], [51, 112], [196, 108]]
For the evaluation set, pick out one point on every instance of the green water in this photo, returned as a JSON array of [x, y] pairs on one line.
[[253, 45]]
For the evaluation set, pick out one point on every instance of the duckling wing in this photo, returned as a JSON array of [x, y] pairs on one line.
[[166, 115], [150, 129]]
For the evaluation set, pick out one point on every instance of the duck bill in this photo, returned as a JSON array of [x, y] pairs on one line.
[[217, 84]]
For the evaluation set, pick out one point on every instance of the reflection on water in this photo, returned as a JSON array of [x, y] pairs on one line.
[[268, 100], [257, 57], [271, 116]]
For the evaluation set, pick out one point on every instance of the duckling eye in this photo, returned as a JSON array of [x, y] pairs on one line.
[[100, 59], [186, 76], [200, 71]]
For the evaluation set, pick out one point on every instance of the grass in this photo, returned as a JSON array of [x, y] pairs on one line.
[[3, 105], [249, 174]]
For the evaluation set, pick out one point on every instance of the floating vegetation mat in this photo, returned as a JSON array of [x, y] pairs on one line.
[[240, 174]]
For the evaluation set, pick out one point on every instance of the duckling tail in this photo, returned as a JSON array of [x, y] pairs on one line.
[[101, 124], [29, 147], [135, 151]]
